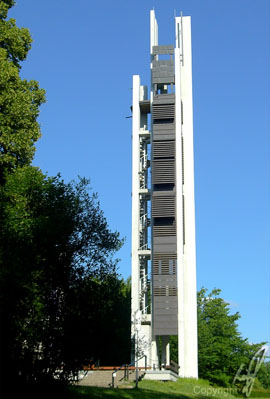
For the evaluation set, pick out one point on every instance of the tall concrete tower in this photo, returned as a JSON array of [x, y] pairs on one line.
[[163, 214]]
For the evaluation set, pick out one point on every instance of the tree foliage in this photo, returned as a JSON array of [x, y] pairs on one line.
[[61, 300], [58, 282], [221, 348], [264, 375], [19, 99]]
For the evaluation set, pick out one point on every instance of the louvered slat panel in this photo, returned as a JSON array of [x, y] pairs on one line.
[[163, 206], [183, 162], [164, 227], [163, 231], [163, 49], [163, 149], [164, 264], [165, 291], [184, 230], [164, 256], [163, 171], [163, 111], [163, 271]]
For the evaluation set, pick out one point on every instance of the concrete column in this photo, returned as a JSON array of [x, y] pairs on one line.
[[168, 356], [155, 362], [153, 42], [180, 221], [165, 354], [135, 198], [187, 318]]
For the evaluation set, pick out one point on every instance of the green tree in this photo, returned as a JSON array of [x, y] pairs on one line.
[[174, 348], [221, 349], [19, 99], [264, 375], [61, 300], [57, 276], [103, 312]]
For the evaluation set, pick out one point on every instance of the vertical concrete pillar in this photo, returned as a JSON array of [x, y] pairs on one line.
[[155, 362], [168, 357], [165, 354]]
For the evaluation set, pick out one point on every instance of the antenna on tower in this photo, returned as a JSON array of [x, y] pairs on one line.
[[182, 43]]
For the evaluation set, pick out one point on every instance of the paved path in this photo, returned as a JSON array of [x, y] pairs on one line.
[[103, 378]]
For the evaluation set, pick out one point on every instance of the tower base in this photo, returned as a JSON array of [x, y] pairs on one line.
[[160, 375]]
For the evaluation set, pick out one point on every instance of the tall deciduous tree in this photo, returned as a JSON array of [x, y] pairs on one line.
[[60, 295], [264, 375], [19, 99], [221, 348], [58, 280]]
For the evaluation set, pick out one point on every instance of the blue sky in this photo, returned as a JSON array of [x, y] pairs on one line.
[[85, 53]]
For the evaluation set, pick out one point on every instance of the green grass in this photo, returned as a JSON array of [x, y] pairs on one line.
[[182, 389], [260, 393]]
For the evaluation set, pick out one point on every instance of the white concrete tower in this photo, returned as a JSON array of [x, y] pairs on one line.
[[163, 212], [187, 301], [141, 222]]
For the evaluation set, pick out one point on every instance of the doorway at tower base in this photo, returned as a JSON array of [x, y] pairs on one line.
[[161, 375]]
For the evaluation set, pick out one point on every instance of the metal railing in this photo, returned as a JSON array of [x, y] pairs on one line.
[[173, 367], [143, 247], [146, 309], [126, 367]]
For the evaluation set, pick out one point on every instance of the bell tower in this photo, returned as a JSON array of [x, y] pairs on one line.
[[163, 211]]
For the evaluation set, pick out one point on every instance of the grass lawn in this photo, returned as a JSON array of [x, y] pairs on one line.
[[260, 393], [182, 389]]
